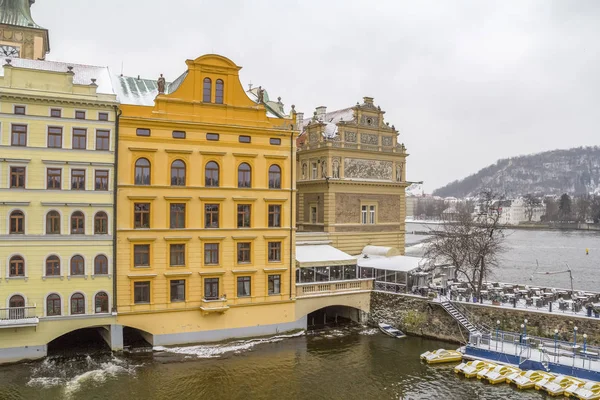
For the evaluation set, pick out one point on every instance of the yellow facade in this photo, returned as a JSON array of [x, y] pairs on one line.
[[198, 260], [54, 277]]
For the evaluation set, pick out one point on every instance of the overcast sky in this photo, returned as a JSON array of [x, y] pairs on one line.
[[465, 82]]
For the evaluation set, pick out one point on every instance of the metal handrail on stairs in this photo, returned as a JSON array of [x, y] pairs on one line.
[[462, 316]]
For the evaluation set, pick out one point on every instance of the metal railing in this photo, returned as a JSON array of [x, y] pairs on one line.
[[318, 288], [390, 287], [17, 313]]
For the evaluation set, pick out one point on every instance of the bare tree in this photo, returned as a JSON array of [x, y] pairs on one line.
[[472, 243], [531, 202]]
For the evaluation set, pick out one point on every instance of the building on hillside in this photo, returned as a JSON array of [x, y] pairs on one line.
[[20, 36], [206, 192], [351, 177], [57, 153]]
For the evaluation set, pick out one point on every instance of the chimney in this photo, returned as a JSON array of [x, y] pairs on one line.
[[299, 120], [321, 112], [368, 100]]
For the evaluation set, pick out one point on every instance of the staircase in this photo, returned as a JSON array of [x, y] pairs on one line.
[[459, 317]]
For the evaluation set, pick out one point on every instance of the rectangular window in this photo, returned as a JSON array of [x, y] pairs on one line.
[[367, 214], [102, 116], [371, 214], [54, 178], [55, 137], [363, 214], [274, 284], [244, 139], [103, 140], [18, 135], [177, 290], [78, 179], [274, 251], [177, 216], [211, 288], [243, 252], [211, 215], [141, 292], [177, 255], [212, 136], [101, 180], [275, 141], [244, 286], [142, 132], [178, 134], [55, 112], [314, 170], [79, 114], [79, 138], [313, 214], [211, 253], [141, 215], [19, 110], [17, 177], [243, 215], [141, 255], [274, 216]]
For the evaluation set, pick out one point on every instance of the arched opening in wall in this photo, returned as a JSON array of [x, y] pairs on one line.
[[88, 341], [137, 341], [333, 316]]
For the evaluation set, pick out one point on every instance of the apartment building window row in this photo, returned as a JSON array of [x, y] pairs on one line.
[[18, 179], [77, 304], [178, 174], [53, 223], [76, 265]]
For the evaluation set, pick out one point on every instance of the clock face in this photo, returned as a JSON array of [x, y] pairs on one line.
[[11, 51]]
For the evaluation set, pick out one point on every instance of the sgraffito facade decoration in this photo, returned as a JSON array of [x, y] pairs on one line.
[[350, 137], [369, 138], [314, 137], [369, 120], [387, 141], [356, 168]]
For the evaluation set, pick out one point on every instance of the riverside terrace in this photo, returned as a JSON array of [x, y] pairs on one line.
[[524, 297]]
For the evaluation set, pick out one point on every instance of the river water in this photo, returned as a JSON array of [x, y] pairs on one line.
[[553, 250], [352, 363]]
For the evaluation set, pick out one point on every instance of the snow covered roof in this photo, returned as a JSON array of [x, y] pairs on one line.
[[322, 255], [331, 119], [83, 74], [380, 251], [394, 263]]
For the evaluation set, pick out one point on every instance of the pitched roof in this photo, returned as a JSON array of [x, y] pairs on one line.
[[17, 13], [82, 74], [331, 119]]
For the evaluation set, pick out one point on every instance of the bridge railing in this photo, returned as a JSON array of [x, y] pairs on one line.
[[333, 287], [15, 315]]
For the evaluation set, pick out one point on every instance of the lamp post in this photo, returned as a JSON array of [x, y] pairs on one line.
[[525, 331], [522, 334], [497, 328], [555, 344], [574, 341], [584, 348]]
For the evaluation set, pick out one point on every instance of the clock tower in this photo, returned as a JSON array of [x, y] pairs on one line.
[[20, 36]]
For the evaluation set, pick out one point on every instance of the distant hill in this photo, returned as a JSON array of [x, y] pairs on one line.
[[572, 171]]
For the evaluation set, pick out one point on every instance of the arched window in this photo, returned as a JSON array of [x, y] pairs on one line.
[[206, 90], [16, 266], [77, 304], [16, 306], [244, 176], [219, 85], [53, 306], [274, 177], [17, 222], [100, 265], [142, 171], [77, 266], [178, 173], [53, 266], [77, 223], [53, 223], [211, 174], [100, 223], [101, 302]]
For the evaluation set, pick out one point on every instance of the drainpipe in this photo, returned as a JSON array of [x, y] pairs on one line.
[[292, 162], [115, 187]]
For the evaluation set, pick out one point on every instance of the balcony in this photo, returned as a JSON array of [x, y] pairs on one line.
[[332, 288], [18, 317], [214, 306]]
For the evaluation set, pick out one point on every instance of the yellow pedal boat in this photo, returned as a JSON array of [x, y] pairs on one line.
[[589, 391], [556, 387], [510, 378], [499, 374], [470, 366], [527, 382], [441, 356], [542, 382]]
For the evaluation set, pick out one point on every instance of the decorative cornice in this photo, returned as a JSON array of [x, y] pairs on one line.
[[179, 151], [142, 149], [246, 155]]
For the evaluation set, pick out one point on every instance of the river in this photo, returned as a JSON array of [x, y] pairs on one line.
[[352, 363], [551, 249]]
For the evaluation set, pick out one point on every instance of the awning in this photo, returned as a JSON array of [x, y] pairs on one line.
[[322, 255], [394, 263]]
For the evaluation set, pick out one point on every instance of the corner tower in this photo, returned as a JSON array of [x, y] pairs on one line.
[[20, 36]]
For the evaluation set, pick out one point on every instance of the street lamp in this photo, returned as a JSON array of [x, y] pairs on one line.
[[523, 334], [497, 327], [525, 326], [584, 342], [574, 342], [555, 343]]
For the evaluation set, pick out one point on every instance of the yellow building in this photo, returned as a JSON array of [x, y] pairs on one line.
[[205, 224], [57, 143]]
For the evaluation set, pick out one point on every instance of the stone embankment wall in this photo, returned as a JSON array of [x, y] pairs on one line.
[[419, 316]]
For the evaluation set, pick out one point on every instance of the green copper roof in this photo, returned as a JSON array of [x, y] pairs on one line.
[[17, 13]]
